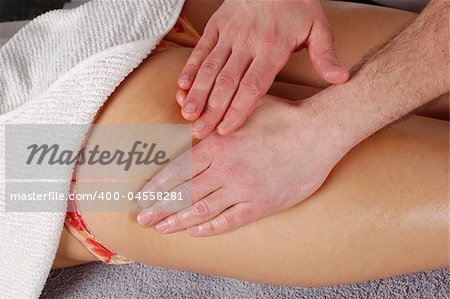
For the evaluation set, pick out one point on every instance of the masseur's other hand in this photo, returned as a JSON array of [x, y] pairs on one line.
[[281, 155], [244, 46]]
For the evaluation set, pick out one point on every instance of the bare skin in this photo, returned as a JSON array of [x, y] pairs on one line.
[[357, 29], [406, 72], [216, 45], [243, 47], [382, 212], [276, 194]]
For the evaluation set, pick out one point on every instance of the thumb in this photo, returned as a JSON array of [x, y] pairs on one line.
[[323, 55]]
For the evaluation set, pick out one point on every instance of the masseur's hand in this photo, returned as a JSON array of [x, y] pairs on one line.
[[279, 157], [244, 46]]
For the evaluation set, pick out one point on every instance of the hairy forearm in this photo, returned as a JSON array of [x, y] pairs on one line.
[[405, 73]]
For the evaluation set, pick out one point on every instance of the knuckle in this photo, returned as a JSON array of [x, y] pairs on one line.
[[324, 35], [270, 40], [158, 209], [175, 221], [215, 144], [202, 209], [211, 25], [329, 51], [226, 81], [230, 219], [190, 66], [252, 87], [210, 65], [281, 57], [270, 43], [235, 110], [230, 170], [193, 188], [196, 94], [208, 227], [201, 152], [324, 46], [202, 49], [186, 190], [212, 108], [179, 170], [238, 113], [156, 184]]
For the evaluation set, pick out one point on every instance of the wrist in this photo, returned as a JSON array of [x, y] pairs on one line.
[[399, 78], [342, 115]]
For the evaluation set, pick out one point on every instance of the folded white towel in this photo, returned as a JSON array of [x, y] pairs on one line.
[[9, 29], [60, 69]]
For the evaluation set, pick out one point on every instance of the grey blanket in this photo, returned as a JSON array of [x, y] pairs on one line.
[[139, 281]]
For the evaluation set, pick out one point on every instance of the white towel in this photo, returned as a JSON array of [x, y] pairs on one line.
[[9, 29], [60, 69]]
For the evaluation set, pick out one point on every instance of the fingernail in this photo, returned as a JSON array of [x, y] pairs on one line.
[[162, 226], [181, 97], [184, 78], [198, 125], [144, 218], [222, 128], [190, 108]]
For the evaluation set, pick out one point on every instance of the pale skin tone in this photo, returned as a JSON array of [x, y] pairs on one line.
[[383, 211], [407, 72], [243, 47]]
